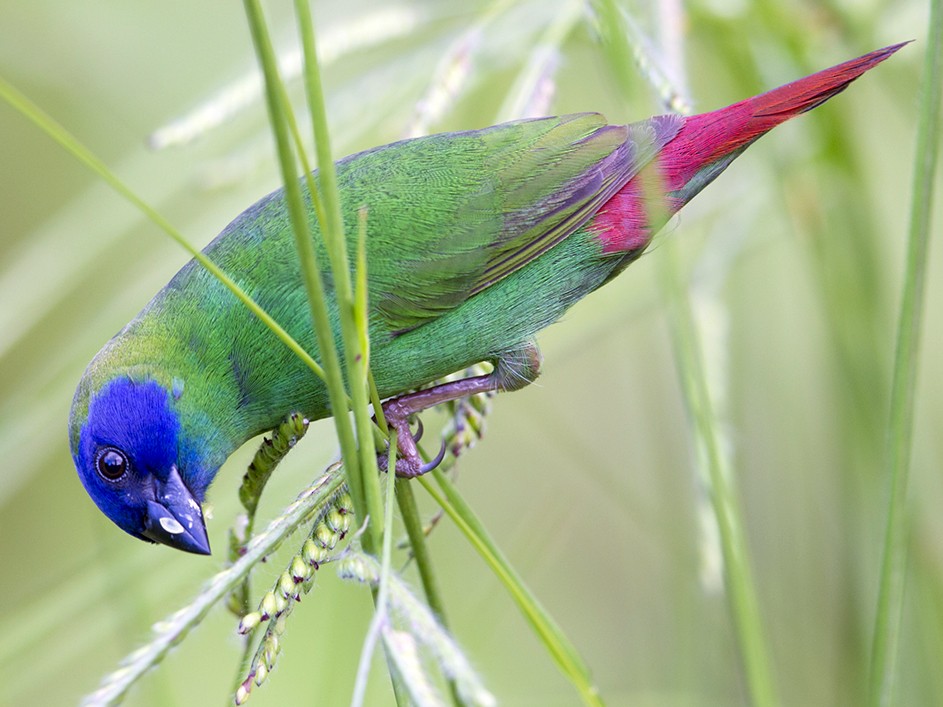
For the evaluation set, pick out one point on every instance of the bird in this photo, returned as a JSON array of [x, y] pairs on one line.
[[475, 241]]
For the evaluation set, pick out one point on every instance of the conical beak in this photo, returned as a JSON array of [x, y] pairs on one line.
[[175, 518]]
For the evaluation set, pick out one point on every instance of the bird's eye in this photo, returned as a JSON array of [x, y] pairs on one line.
[[111, 463]]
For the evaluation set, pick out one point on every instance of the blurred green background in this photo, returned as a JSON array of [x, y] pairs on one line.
[[588, 479]]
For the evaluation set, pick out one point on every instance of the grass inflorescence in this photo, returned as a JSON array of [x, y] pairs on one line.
[[330, 527]]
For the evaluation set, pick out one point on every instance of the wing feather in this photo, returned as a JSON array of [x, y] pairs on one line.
[[448, 215]]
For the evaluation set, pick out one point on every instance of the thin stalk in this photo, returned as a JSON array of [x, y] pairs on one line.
[[412, 521], [362, 319], [887, 625], [524, 100], [367, 503], [377, 405], [305, 247], [80, 152], [409, 511], [550, 634], [302, 155], [333, 231], [386, 557], [738, 574], [381, 614]]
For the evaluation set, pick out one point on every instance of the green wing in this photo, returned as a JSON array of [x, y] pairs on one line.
[[450, 214]]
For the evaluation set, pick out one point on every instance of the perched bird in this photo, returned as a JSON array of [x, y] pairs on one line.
[[475, 241]]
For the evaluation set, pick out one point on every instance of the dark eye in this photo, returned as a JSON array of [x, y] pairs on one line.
[[111, 463]]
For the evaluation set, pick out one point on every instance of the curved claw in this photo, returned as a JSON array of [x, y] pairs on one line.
[[419, 430], [432, 464]]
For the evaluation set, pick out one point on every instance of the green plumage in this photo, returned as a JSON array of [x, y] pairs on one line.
[[451, 220]]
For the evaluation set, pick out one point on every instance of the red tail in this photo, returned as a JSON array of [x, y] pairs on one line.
[[709, 137], [705, 145]]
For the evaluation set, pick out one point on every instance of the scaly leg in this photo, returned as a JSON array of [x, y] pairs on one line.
[[513, 370]]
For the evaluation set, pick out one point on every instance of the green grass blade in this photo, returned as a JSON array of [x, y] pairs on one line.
[[314, 286], [62, 136], [738, 573], [887, 626], [333, 230], [412, 522], [381, 612], [550, 634]]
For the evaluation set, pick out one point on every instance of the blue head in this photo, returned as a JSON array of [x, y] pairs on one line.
[[131, 457]]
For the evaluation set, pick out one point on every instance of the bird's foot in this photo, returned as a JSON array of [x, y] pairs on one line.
[[513, 370], [409, 463], [398, 412]]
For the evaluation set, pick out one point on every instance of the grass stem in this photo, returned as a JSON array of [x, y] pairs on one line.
[[887, 624]]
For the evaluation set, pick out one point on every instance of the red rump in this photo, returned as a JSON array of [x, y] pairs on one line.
[[706, 138]]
